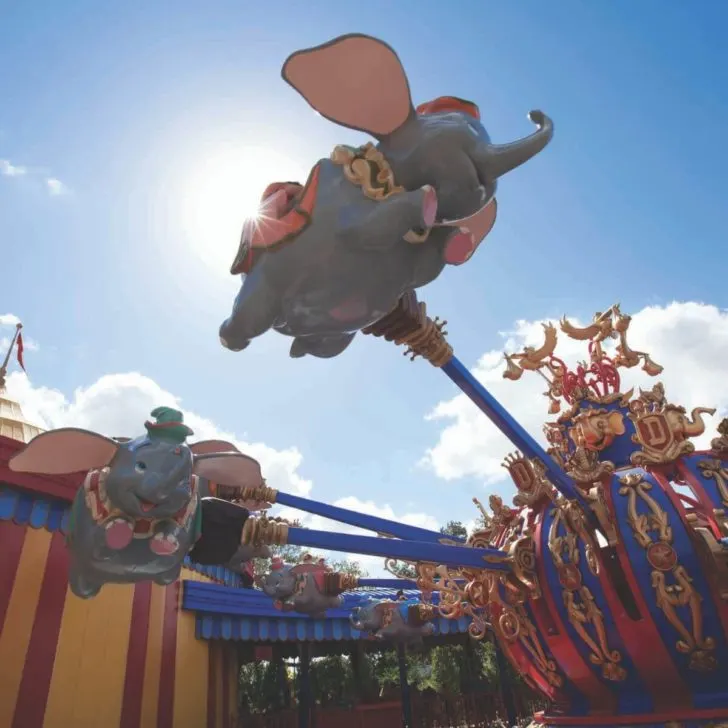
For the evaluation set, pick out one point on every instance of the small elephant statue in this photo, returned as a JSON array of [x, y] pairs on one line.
[[405, 620], [142, 508], [309, 588], [241, 562], [327, 258]]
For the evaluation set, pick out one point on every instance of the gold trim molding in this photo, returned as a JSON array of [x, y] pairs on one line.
[[664, 561]]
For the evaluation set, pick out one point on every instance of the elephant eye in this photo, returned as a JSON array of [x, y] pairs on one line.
[[140, 467], [474, 131]]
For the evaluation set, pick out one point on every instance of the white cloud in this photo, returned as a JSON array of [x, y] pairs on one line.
[[373, 565], [56, 187], [118, 404], [689, 339], [53, 185], [11, 170], [10, 320]]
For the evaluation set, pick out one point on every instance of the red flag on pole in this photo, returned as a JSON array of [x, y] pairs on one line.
[[19, 342]]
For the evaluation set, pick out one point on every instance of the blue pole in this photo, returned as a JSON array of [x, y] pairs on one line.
[[455, 556], [361, 520], [502, 419]]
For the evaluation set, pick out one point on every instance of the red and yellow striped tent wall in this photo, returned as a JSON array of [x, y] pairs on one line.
[[129, 657]]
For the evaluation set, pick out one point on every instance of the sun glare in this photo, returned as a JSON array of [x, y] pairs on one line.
[[224, 189]]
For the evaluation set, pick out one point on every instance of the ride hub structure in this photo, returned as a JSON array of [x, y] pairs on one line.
[[605, 583]]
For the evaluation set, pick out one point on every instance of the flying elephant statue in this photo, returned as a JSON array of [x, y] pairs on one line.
[[142, 507], [327, 258], [404, 620], [308, 588]]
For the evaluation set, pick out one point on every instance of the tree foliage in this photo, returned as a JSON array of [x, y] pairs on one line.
[[455, 528], [293, 554]]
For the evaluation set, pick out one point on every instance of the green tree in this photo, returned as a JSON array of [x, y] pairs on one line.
[[259, 688], [332, 680], [455, 528], [293, 554]]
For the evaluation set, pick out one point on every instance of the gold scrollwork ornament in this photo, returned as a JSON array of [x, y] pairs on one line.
[[581, 607], [663, 559], [663, 430]]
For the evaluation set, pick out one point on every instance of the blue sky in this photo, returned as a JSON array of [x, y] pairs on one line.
[[124, 103]]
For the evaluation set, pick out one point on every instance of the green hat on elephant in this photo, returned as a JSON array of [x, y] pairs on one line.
[[169, 426]]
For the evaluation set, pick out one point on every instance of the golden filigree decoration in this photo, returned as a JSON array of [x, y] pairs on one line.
[[453, 587], [663, 559], [585, 467], [716, 555], [529, 477], [516, 620], [717, 471], [400, 569], [476, 594], [523, 560], [581, 607], [610, 325], [532, 359], [662, 429], [596, 380], [264, 531], [604, 515], [366, 167], [719, 445], [482, 538], [409, 325], [558, 449]]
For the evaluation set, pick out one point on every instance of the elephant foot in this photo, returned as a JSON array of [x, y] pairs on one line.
[[164, 544], [428, 214], [323, 347], [459, 247], [168, 577], [233, 345], [118, 534], [81, 586]]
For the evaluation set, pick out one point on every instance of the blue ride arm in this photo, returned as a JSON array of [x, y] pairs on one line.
[[454, 556], [501, 418], [361, 520]]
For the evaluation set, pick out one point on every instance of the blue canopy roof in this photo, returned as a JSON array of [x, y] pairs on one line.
[[248, 615]]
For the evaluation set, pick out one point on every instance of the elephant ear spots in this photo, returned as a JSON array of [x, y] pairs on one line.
[[66, 450], [473, 230], [355, 80]]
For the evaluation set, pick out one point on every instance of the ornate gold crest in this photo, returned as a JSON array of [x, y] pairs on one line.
[[529, 476], [661, 429]]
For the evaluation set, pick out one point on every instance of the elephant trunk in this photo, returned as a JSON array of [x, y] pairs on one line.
[[696, 427], [502, 158]]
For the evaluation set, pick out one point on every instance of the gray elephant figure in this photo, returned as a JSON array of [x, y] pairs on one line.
[[308, 588], [323, 260], [141, 508], [406, 621]]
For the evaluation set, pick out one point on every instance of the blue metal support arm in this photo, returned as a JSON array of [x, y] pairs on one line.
[[500, 417], [455, 556], [361, 520]]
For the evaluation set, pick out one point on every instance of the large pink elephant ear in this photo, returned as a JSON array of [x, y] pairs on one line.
[[473, 230], [355, 81], [67, 450], [206, 447], [229, 468]]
